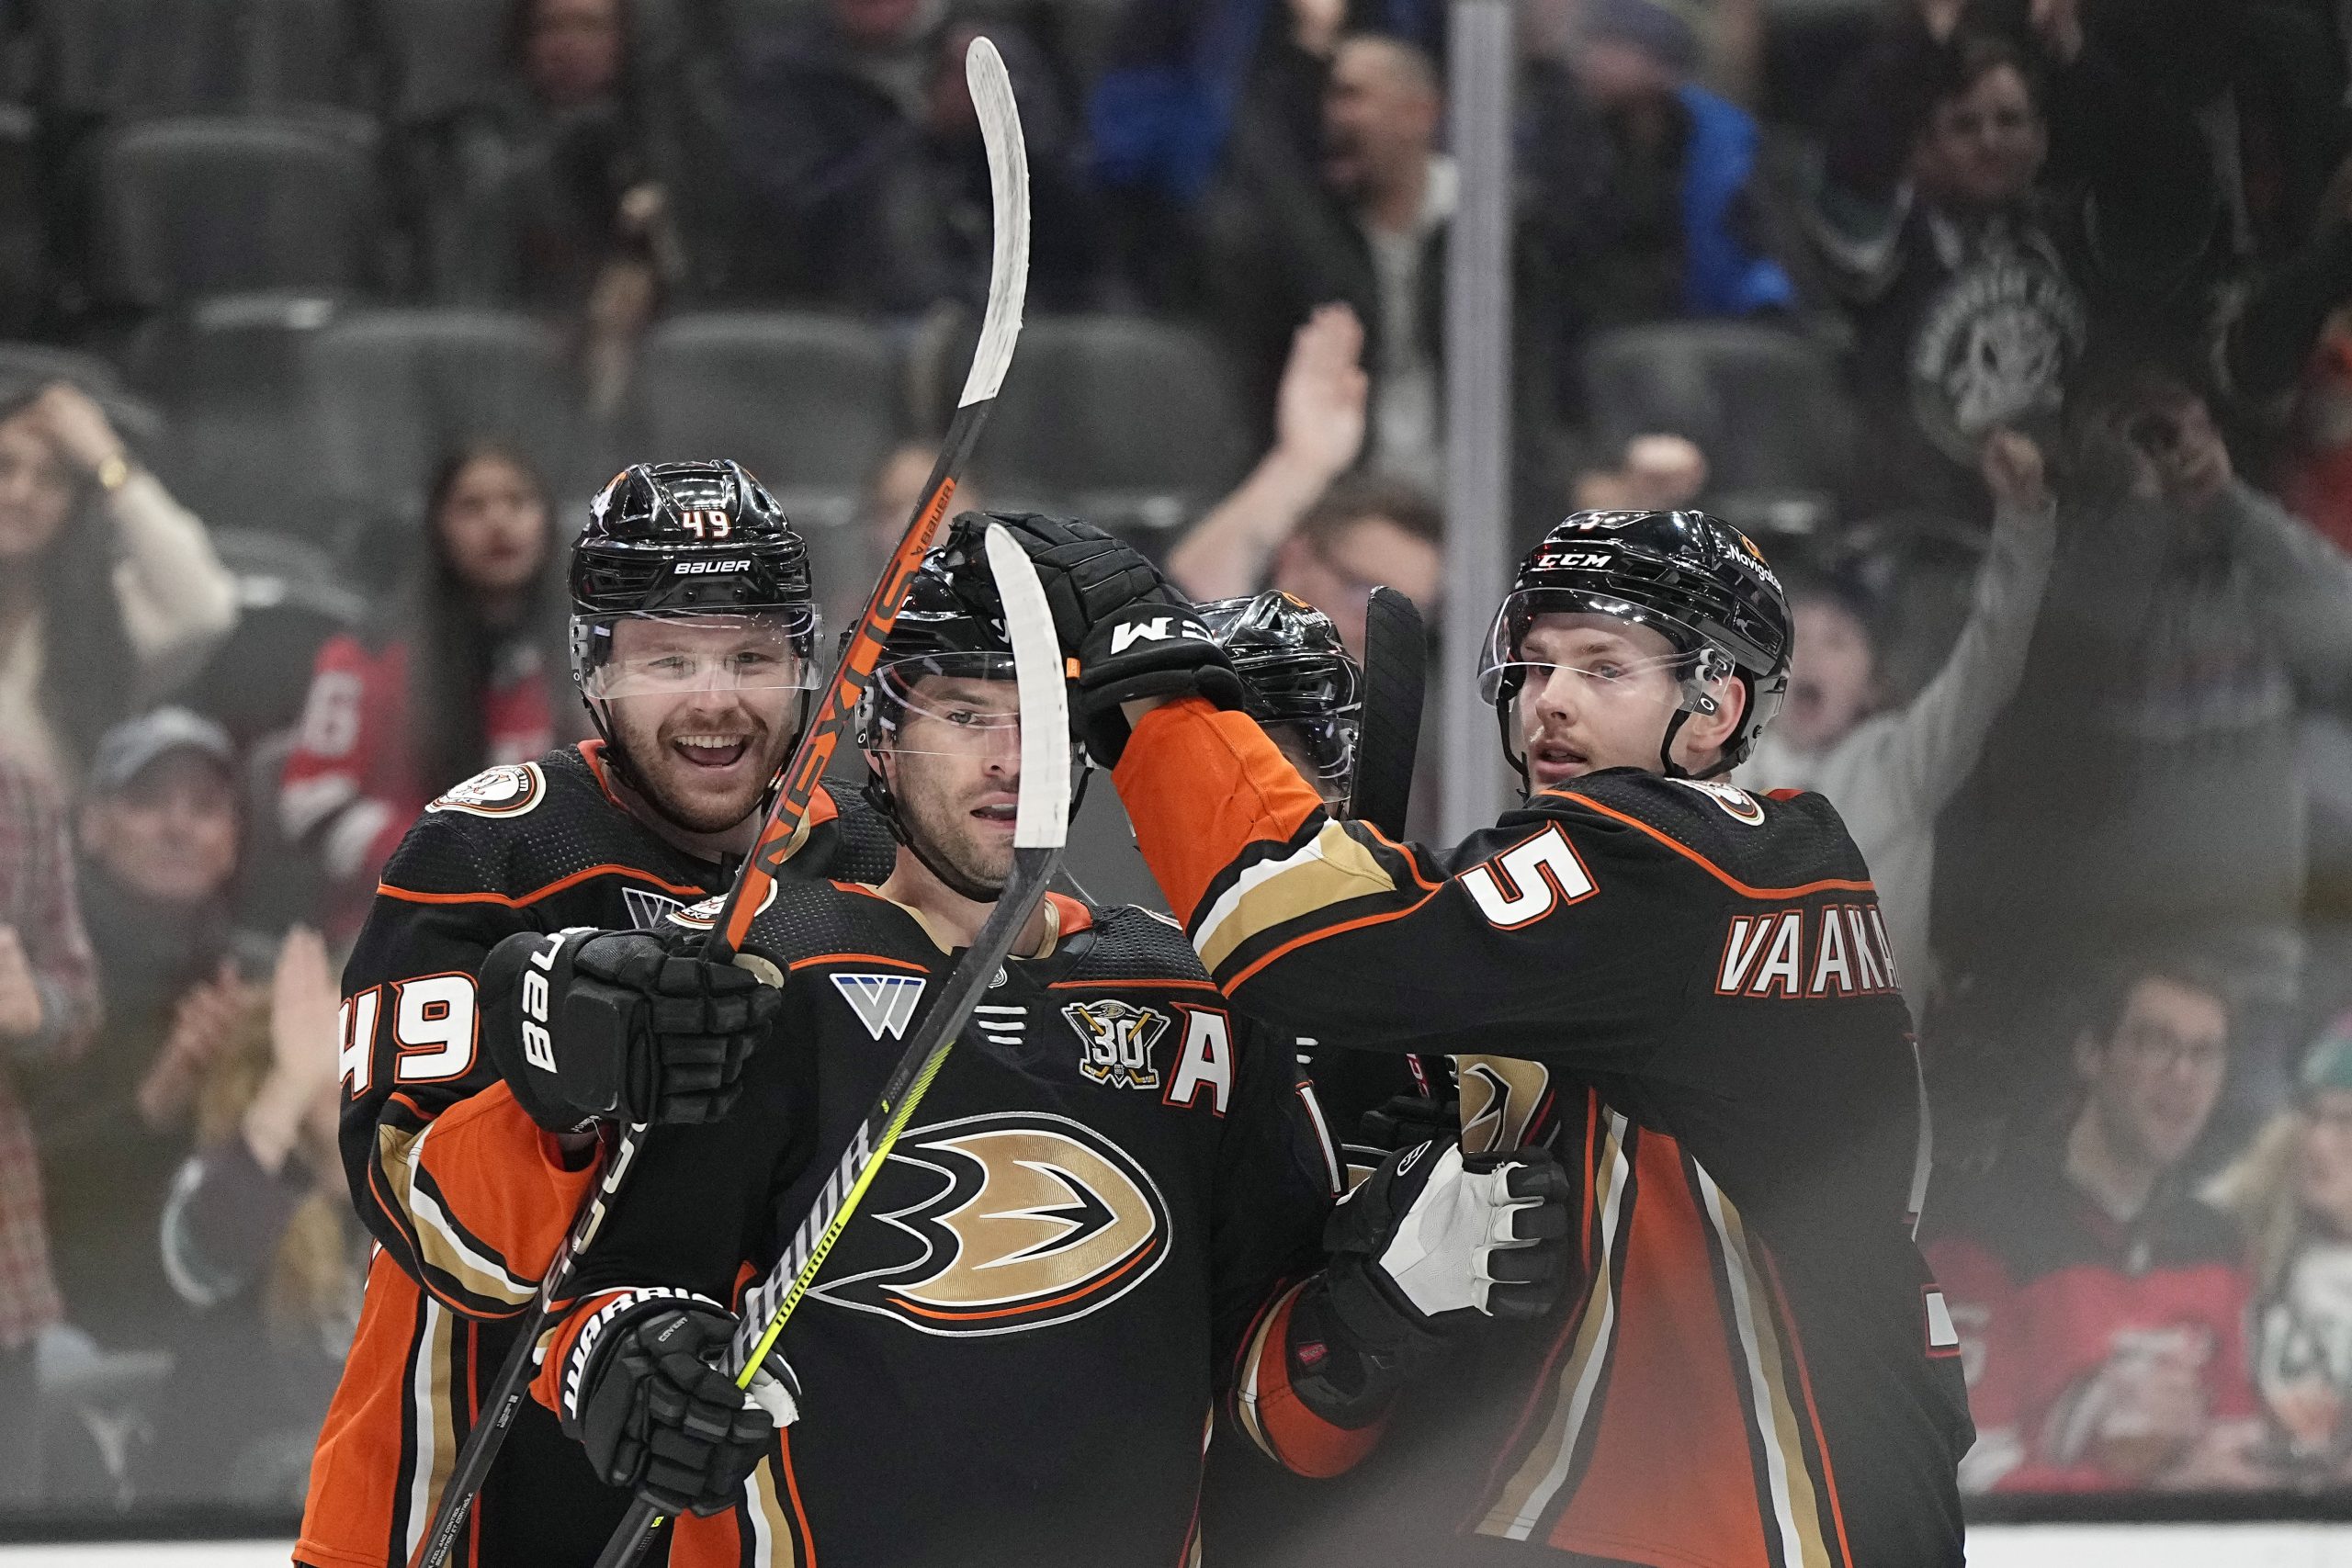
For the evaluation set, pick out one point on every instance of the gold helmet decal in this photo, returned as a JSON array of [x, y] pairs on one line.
[[997, 1224]]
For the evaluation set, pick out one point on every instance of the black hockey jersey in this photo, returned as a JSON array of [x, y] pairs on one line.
[[1688, 991], [468, 1199], [1094, 1227]]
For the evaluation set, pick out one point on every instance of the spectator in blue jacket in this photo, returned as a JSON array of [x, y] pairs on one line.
[[1639, 178], [1194, 87]]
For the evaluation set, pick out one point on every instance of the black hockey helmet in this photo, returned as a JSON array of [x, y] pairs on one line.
[[951, 625], [951, 622], [1294, 671], [690, 541], [700, 535], [1690, 576]]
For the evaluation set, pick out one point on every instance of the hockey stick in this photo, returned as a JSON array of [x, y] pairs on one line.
[[779, 834], [1040, 827], [1396, 676]]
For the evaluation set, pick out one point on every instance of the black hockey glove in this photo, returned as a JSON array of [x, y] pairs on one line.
[[1432, 1237], [1134, 635], [629, 1026], [641, 1397], [1421, 1244], [1403, 1120]]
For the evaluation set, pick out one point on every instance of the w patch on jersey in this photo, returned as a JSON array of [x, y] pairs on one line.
[[1117, 1040], [647, 907], [1000, 1224], [884, 1003]]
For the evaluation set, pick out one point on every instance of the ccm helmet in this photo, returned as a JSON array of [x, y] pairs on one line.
[[690, 541], [1295, 672], [1691, 577]]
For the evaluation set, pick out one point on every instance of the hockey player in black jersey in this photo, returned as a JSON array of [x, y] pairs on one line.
[[1305, 690], [1108, 1217], [1683, 988], [694, 631]]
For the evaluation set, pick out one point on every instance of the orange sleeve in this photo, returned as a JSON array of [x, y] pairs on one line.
[[1202, 785], [1273, 1416], [507, 1178], [481, 1193]]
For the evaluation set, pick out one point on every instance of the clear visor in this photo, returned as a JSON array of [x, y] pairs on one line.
[[676, 652], [1533, 644], [959, 705]]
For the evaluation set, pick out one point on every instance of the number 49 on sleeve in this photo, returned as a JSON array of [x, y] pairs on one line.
[[434, 1024]]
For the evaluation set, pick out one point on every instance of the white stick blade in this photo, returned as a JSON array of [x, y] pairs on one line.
[[1043, 821], [1009, 198]]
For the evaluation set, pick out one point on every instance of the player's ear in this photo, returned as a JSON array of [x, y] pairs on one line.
[[1703, 736]]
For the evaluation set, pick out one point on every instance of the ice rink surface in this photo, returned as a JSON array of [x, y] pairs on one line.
[[2007, 1546]]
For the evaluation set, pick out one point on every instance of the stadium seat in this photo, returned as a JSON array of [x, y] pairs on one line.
[[140, 57], [289, 605], [439, 54], [395, 390], [807, 402], [1125, 419], [1765, 406], [195, 205], [231, 373]]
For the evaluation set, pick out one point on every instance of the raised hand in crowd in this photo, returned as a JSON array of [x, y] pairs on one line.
[[2058, 25], [1319, 412], [298, 1097], [1319, 406], [1314, 24], [77, 427], [206, 1021], [2014, 472], [20, 1005]]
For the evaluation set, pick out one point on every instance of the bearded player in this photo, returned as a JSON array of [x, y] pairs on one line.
[[1105, 1221], [694, 635]]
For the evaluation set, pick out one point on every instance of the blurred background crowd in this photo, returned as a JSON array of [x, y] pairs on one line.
[[2014, 329]]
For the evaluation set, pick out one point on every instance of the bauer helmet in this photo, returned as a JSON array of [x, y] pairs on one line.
[[1693, 577], [1295, 672], [690, 541]]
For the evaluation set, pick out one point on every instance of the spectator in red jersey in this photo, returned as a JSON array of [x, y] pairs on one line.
[[2317, 484], [2291, 1193], [2100, 1303], [49, 1003], [464, 671]]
